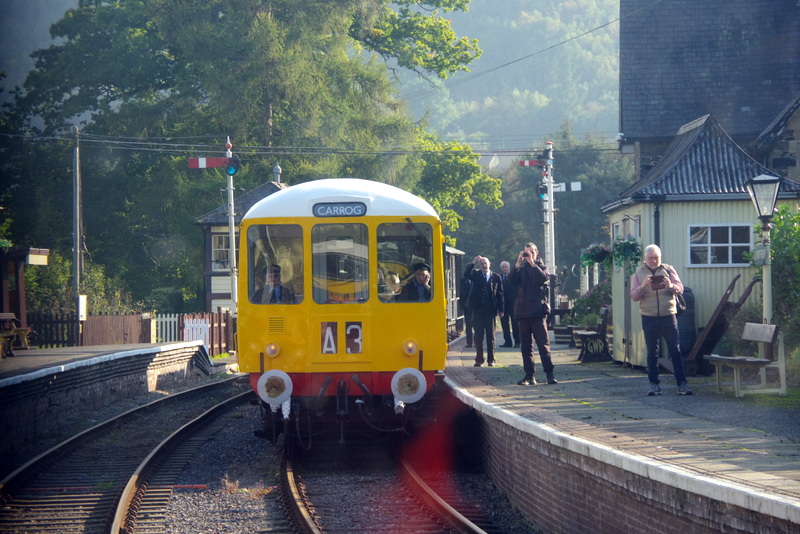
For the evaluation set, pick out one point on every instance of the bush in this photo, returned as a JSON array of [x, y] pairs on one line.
[[590, 303]]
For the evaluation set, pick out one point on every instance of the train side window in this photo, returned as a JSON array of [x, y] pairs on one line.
[[401, 246], [275, 256], [339, 263]]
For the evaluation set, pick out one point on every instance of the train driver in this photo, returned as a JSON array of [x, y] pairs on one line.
[[418, 289], [274, 292]]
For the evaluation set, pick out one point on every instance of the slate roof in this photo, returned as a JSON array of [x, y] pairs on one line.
[[701, 163], [773, 132], [680, 59], [219, 216]]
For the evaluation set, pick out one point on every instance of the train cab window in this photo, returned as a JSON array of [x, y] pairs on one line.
[[340, 259], [402, 247], [275, 256]]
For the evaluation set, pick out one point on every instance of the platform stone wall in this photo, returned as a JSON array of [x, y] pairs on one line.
[[32, 408], [564, 484]]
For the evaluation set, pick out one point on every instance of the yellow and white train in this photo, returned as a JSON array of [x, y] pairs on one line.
[[323, 327]]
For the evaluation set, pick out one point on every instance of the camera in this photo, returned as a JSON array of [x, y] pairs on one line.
[[526, 254]]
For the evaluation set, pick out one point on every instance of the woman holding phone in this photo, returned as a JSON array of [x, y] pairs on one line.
[[654, 286]]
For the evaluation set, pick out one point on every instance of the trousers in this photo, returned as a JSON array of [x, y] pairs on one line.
[[484, 324], [654, 329], [534, 329]]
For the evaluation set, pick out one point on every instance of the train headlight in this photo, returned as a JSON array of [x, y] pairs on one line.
[[409, 385], [272, 350], [410, 347], [274, 387]]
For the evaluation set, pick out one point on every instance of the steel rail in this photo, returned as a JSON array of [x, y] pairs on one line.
[[436, 503], [124, 517]]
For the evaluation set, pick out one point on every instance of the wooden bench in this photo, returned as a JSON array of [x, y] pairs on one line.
[[594, 345], [11, 333], [766, 335]]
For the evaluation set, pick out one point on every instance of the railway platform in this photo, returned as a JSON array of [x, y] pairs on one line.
[[40, 387], [743, 453]]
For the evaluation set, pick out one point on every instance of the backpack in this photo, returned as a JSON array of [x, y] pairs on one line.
[[680, 304]]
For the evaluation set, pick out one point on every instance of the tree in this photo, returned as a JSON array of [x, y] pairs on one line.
[[785, 248], [543, 62], [147, 81], [49, 289], [452, 180]]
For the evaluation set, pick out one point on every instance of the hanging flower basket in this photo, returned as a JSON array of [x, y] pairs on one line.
[[595, 253], [624, 250]]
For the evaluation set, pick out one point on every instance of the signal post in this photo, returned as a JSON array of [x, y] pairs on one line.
[[546, 189], [231, 164]]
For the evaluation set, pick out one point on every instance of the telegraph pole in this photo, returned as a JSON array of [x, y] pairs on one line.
[[77, 237], [81, 301]]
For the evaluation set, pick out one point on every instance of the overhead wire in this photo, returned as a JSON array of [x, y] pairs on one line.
[[472, 76]]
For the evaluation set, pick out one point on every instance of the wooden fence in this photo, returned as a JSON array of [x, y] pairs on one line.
[[64, 330]]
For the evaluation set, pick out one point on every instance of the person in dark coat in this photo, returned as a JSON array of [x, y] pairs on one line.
[[466, 287], [507, 321], [531, 308], [274, 292], [486, 302], [418, 289]]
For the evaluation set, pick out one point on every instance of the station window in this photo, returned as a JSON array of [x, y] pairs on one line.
[[275, 255], [220, 251], [401, 246], [340, 259], [719, 245]]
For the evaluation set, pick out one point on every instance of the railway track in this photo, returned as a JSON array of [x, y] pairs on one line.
[[90, 482], [376, 495]]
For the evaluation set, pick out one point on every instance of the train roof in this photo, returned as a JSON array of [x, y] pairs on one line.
[[379, 198]]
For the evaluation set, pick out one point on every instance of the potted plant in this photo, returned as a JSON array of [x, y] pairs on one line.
[[595, 253], [627, 253]]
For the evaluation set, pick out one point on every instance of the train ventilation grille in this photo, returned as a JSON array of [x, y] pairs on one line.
[[276, 325]]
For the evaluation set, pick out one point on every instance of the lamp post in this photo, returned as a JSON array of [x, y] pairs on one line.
[[763, 190]]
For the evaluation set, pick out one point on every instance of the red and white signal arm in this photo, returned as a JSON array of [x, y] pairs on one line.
[[207, 163]]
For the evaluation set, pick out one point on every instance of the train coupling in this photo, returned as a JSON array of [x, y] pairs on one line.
[[399, 406]]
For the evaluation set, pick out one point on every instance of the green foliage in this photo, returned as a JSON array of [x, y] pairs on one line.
[[414, 38], [596, 253], [144, 77], [541, 64], [167, 300], [451, 180], [587, 307], [627, 253], [785, 249], [49, 289]]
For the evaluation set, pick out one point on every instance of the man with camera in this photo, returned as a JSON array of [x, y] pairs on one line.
[[531, 308], [654, 286]]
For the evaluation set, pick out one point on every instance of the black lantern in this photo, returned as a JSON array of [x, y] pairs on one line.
[[763, 191]]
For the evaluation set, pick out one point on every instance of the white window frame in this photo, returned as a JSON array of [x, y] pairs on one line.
[[708, 246], [220, 252]]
